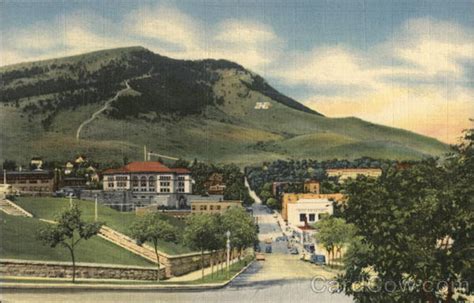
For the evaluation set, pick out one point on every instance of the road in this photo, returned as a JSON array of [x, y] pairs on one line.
[[106, 105], [282, 277]]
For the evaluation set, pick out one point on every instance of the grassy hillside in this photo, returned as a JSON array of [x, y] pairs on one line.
[[48, 208], [18, 241], [193, 109]]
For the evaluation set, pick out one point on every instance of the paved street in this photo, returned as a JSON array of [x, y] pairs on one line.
[[282, 277]]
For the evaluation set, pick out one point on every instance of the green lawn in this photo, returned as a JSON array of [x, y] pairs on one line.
[[49, 208], [18, 241]]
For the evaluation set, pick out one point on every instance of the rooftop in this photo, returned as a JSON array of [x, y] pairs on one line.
[[146, 167]]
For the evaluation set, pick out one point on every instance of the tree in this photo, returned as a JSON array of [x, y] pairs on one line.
[[415, 226], [9, 165], [241, 226], [202, 233], [68, 232], [272, 203], [153, 228]]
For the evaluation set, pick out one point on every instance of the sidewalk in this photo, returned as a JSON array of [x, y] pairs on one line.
[[197, 274]]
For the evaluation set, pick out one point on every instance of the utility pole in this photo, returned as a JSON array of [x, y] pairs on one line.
[[228, 251], [4, 176], [96, 211]]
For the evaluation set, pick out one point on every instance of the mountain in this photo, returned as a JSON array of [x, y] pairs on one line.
[[109, 104]]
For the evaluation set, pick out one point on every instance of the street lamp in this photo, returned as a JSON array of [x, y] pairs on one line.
[[228, 251], [96, 211]]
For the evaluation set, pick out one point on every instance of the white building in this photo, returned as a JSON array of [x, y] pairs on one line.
[[308, 211], [150, 183]]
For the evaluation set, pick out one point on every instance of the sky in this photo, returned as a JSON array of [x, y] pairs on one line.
[[406, 64]]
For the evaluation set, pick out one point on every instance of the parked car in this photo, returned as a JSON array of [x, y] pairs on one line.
[[318, 259], [309, 248], [260, 257], [268, 241], [65, 192], [268, 249], [294, 251]]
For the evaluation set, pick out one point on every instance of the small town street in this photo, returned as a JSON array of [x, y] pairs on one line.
[[282, 277]]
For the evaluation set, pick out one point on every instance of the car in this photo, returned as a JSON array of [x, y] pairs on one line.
[[268, 249], [268, 241], [318, 259], [260, 257], [294, 251], [64, 192]]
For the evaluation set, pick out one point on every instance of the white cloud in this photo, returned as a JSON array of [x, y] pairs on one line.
[[166, 24]]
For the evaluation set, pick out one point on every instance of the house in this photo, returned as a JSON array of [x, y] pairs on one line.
[[308, 211], [68, 168], [213, 206], [80, 159], [291, 198], [31, 182], [150, 183], [346, 173], [36, 163], [215, 184], [312, 186], [74, 182]]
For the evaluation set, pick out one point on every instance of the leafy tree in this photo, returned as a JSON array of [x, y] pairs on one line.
[[9, 165], [273, 203], [153, 228], [333, 233], [241, 226], [202, 233], [68, 232], [416, 227]]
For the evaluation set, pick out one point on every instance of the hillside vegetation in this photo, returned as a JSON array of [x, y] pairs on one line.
[[202, 109]]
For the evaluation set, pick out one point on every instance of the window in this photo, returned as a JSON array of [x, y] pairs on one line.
[[218, 207], [311, 217], [193, 207], [302, 217], [135, 181], [164, 183], [165, 178], [211, 207], [164, 190], [110, 184], [143, 181], [151, 183], [203, 207], [44, 181], [181, 178]]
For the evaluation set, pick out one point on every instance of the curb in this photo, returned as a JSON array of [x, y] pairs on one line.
[[164, 288]]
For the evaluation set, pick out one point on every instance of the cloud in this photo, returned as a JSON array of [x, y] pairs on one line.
[[166, 24], [416, 80]]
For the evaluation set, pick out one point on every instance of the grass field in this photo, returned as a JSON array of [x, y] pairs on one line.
[[49, 208], [18, 241]]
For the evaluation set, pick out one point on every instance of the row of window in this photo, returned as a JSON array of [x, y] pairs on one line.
[[142, 178], [36, 188], [23, 181], [311, 217], [211, 207]]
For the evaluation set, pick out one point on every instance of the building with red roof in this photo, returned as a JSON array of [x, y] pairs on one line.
[[150, 183]]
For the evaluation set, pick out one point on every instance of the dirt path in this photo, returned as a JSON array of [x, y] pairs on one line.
[[106, 105]]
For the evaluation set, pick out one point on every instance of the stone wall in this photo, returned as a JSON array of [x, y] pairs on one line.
[[178, 265], [83, 270]]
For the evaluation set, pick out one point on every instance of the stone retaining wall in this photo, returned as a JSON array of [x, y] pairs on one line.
[[47, 269], [182, 264]]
